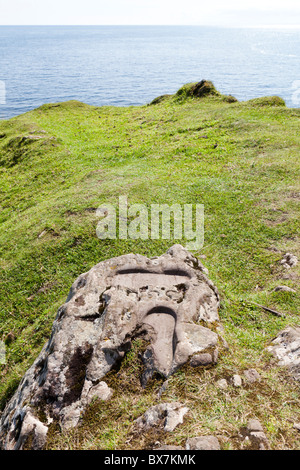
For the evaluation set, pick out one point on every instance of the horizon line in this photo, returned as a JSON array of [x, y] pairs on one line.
[[264, 26]]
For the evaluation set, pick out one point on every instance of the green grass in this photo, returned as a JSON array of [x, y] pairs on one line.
[[59, 162]]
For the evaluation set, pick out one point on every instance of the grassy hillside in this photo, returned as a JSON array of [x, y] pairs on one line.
[[59, 162]]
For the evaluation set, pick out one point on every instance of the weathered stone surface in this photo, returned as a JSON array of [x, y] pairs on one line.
[[100, 391], [170, 415], [203, 443], [32, 426], [163, 388], [286, 348], [161, 300], [204, 359]]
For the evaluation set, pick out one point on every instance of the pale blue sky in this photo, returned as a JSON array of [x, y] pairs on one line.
[[162, 12]]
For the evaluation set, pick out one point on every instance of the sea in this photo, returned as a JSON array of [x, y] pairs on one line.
[[131, 65]]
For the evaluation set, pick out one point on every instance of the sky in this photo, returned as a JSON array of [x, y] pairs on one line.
[[152, 12]]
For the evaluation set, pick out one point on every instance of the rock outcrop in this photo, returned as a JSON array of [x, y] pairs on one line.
[[168, 301]]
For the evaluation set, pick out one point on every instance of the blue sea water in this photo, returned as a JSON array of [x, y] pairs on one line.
[[131, 65]]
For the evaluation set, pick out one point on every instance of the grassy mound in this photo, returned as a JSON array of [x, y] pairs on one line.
[[267, 101], [197, 90], [59, 162]]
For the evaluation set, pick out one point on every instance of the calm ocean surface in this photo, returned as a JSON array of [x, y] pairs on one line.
[[131, 65]]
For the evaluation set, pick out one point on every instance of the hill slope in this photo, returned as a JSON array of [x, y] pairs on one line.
[[59, 162]]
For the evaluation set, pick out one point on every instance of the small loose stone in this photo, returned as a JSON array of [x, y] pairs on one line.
[[237, 380], [222, 383], [203, 443]]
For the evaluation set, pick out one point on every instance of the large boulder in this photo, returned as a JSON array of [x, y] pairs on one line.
[[168, 301]]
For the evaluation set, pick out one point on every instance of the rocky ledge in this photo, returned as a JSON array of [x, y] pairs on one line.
[[168, 301]]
